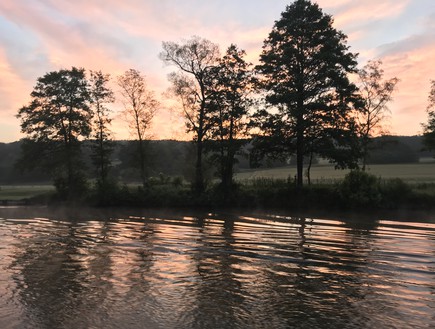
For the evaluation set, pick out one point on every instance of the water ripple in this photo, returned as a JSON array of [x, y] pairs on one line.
[[213, 271]]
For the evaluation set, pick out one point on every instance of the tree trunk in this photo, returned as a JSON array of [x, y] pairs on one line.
[[103, 171], [365, 152], [143, 175], [299, 161], [199, 180], [299, 152], [309, 168], [70, 175]]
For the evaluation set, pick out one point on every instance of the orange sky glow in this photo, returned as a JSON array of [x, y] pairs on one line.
[[39, 36]]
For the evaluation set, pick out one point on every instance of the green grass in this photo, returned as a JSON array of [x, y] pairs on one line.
[[415, 173], [20, 192]]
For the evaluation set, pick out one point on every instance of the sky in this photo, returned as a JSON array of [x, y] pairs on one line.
[[39, 36]]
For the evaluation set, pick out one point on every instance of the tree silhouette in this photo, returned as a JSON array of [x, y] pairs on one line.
[[304, 72], [194, 60], [376, 93], [55, 121], [232, 83], [103, 146], [140, 107], [429, 127]]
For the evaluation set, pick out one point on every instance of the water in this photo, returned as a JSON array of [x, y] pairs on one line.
[[127, 269]]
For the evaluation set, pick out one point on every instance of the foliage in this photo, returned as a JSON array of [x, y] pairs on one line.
[[375, 93], [103, 146], [191, 84], [395, 192], [140, 107], [57, 117], [360, 189], [230, 102], [429, 127], [304, 71]]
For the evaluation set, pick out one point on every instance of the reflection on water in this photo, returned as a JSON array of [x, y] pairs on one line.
[[84, 270]]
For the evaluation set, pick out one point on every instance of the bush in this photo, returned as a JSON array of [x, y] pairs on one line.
[[76, 189], [177, 181], [394, 193], [360, 189]]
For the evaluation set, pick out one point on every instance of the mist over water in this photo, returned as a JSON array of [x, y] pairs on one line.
[[79, 269]]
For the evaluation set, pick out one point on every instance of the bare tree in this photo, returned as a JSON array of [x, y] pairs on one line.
[[376, 93], [194, 60], [140, 106]]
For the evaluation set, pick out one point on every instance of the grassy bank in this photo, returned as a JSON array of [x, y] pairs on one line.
[[410, 186], [21, 192], [357, 191], [412, 173]]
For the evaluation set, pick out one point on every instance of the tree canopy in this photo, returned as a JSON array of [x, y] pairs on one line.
[[376, 93], [429, 127], [101, 95], [232, 83], [57, 118], [140, 106], [304, 72], [192, 84]]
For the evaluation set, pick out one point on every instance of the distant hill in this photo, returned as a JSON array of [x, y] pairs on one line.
[[396, 149], [176, 158]]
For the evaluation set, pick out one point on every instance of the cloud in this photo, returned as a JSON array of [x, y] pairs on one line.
[[10, 83], [112, 35], [414, 67], [352, 13]]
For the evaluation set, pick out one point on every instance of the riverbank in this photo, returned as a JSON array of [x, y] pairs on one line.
[[359, 192]]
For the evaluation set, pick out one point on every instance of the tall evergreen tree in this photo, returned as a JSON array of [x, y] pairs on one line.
[[304, 71], [55, 121]]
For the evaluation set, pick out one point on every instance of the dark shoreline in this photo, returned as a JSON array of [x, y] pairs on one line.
[[86, 213]]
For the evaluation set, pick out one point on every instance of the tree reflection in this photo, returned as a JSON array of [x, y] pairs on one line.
[[218, 292], [51, 282], [220, 272]]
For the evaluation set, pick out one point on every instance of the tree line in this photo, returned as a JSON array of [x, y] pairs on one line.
[[298, 101]]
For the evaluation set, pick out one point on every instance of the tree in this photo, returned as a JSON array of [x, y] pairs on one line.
[[429, 127], [140, 107], [375, 93], [55, 121], [102, 148], [304, 71], [194, 60], [232, 84]]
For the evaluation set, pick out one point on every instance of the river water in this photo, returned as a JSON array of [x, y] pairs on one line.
[[131, 269]]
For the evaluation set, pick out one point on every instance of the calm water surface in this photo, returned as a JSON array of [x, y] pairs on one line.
[[79, 269]]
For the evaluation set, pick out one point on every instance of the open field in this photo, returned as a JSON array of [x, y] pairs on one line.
[[413, 173], [19, 192], [417, 173]]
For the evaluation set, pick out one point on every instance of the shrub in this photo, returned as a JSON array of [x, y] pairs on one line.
[[394, 193], [360, 189], [177, 181]]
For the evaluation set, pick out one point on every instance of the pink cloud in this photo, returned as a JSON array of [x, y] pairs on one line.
[[415, 69], [11, 85], [361, 12], [114, 36]]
